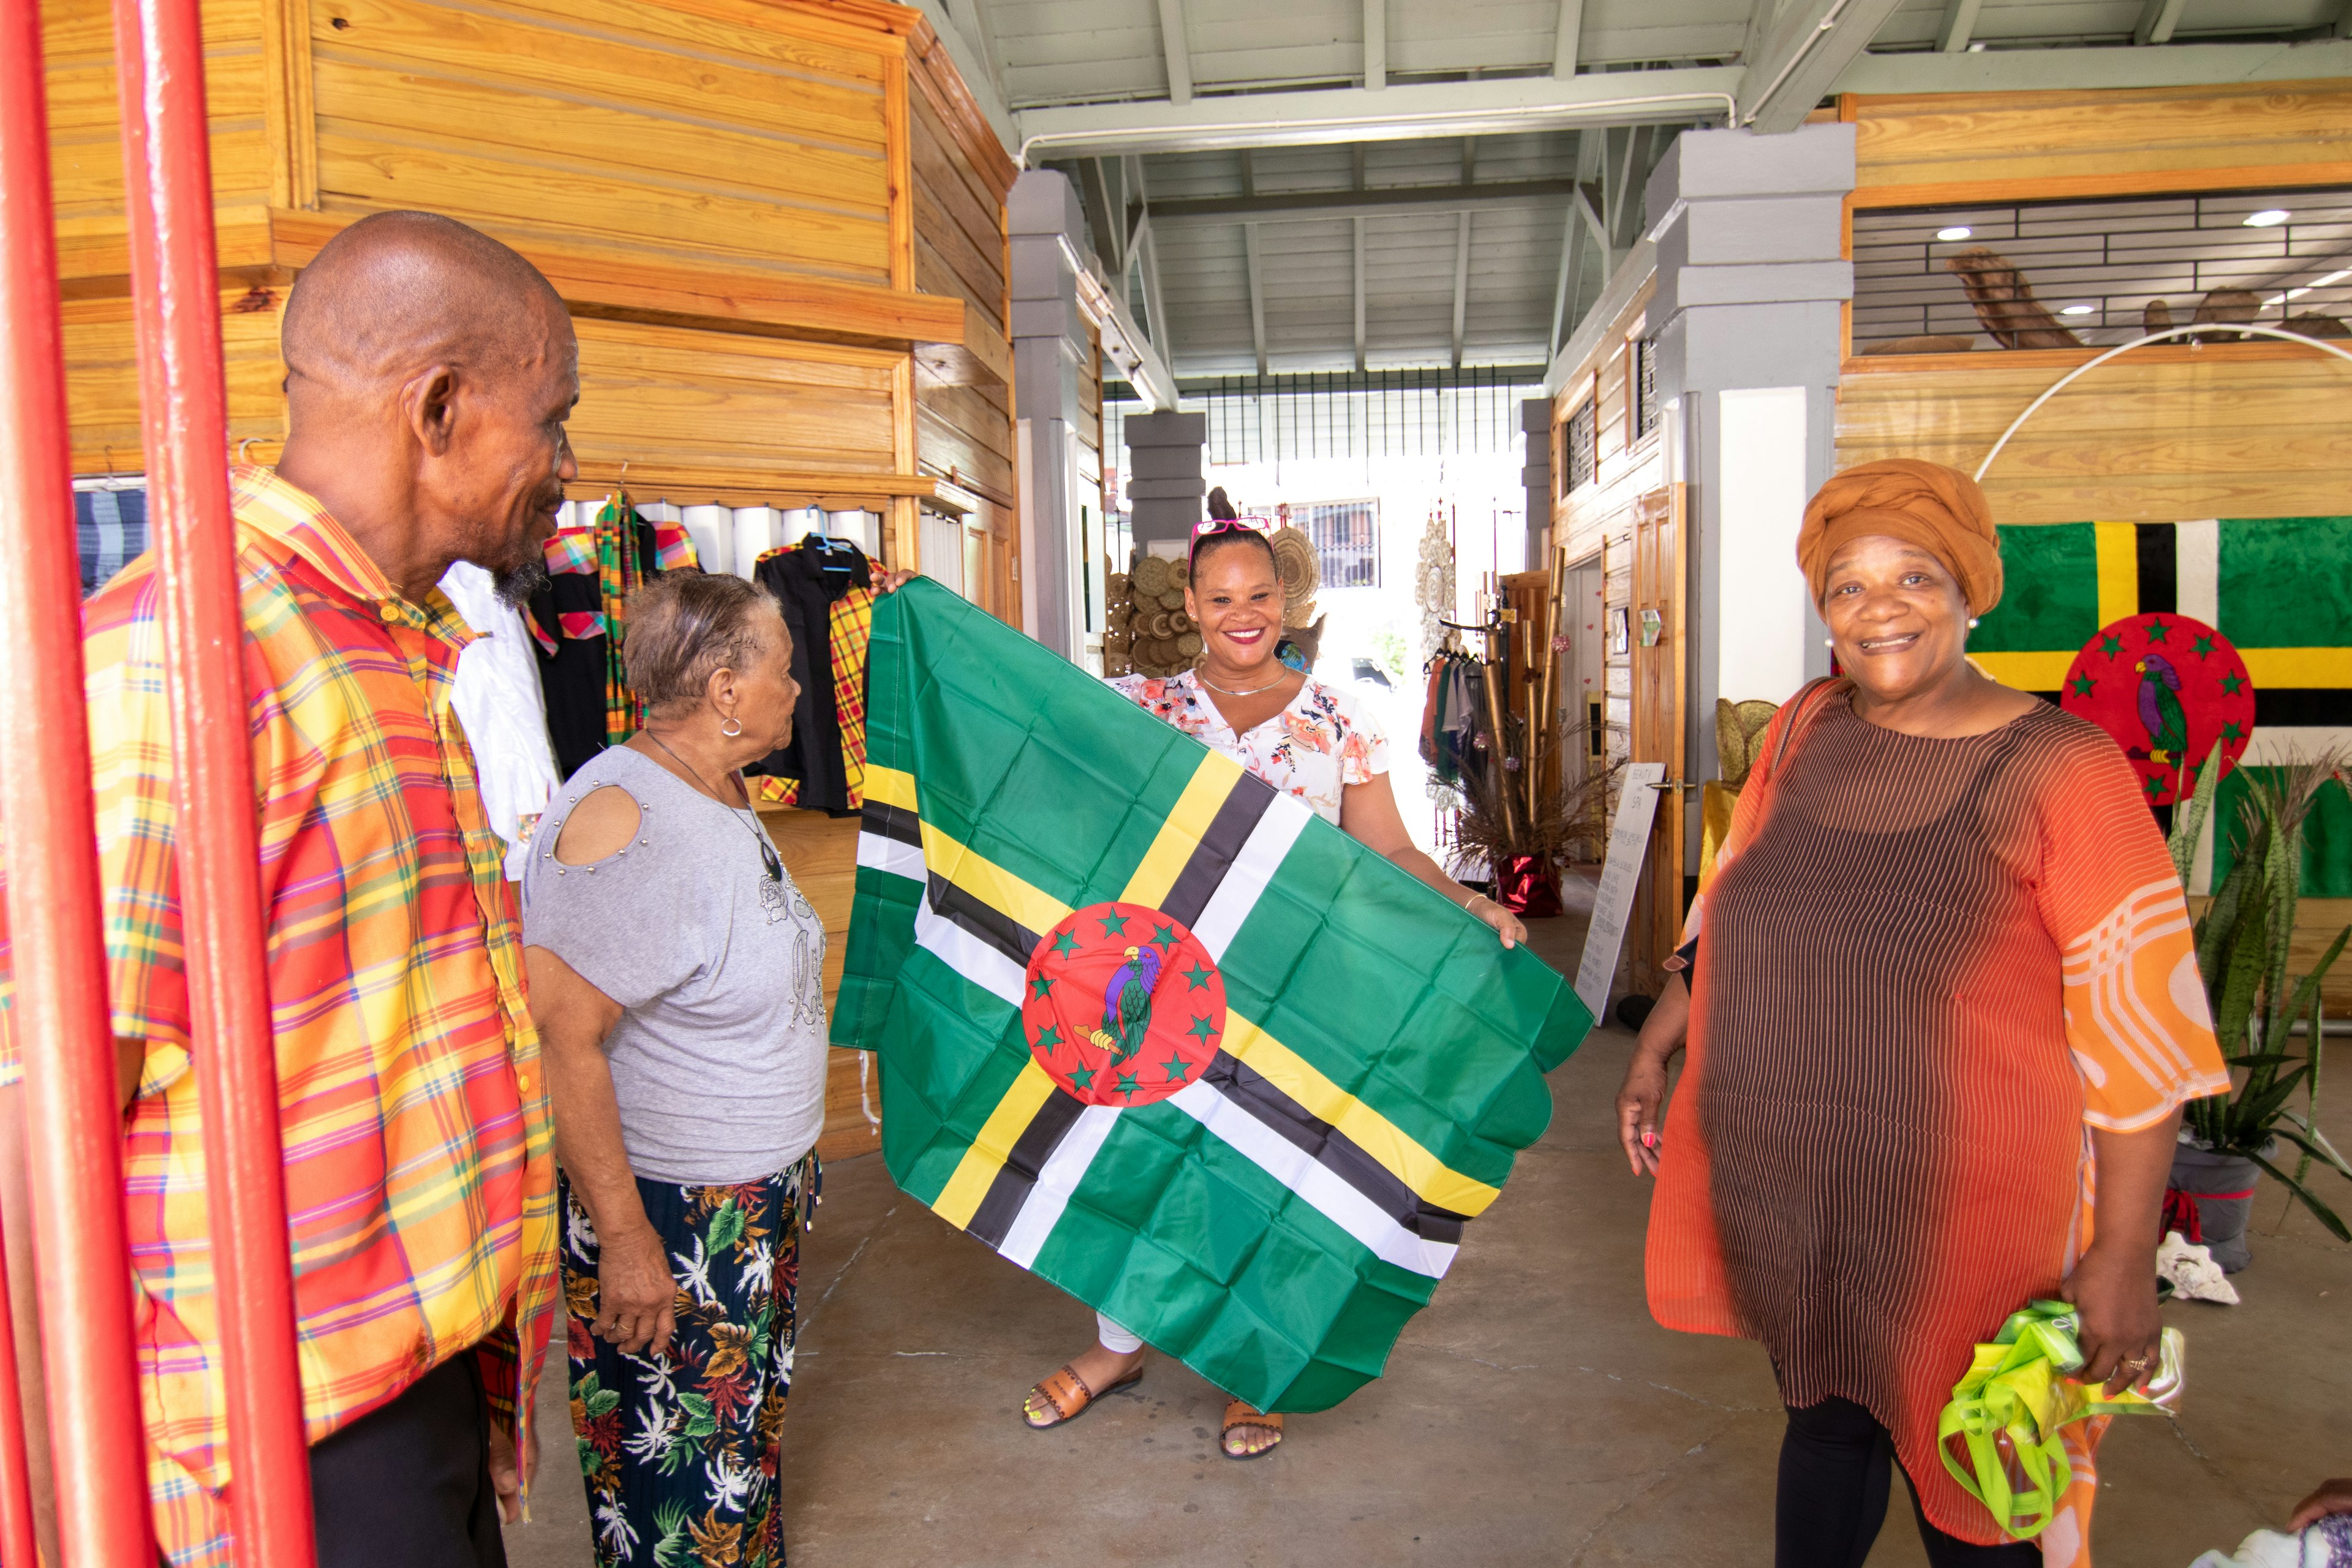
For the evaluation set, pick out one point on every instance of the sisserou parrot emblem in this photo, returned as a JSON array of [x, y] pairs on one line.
[[2160, 711], [1126, 1005]]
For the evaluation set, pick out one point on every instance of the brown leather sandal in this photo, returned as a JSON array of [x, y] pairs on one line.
[[1067, 1396], [1239, 1414]]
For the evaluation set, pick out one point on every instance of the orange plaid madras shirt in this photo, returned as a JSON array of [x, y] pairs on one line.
[[418, 1150]]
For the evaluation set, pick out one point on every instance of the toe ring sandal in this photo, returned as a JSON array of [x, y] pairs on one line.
[[1238, 1415], [1066, 1394]]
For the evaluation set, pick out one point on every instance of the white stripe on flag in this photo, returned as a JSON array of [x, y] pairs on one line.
[[1338, 1202], [1252, 869], [1066, 1167], [2197, 570], [968, 955], [882, 853]]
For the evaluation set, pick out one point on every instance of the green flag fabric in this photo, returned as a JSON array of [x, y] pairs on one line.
[[2278, 588], [1155, 1032]]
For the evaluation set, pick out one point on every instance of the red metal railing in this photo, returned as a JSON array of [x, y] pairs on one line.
[[98, 1440]]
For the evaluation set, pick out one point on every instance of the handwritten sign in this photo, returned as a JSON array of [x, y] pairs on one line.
[[1621, 876]]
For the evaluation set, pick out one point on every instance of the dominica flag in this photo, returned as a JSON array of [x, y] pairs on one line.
[[2229, 631], [1155, 1032]]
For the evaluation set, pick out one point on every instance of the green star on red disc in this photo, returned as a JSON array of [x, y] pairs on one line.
[[2166, 711], [1107, 1020]]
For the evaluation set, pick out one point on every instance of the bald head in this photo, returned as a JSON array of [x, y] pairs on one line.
[[430, 371], [399, 292]]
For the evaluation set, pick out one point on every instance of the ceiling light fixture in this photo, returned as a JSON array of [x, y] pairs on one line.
[[1957, 231], [2078, 310], [2269, 217]]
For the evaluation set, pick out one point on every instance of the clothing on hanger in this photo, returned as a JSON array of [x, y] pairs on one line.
[[499, 706], [567, 622], [109, 532], [824, 587]]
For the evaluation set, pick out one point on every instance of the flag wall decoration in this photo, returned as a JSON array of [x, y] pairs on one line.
[[2277, 592], [1158, 1034]]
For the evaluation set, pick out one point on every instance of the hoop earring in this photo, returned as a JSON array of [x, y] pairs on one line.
[[730, 728]]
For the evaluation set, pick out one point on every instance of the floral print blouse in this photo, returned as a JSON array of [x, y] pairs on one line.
[[1313, 749]]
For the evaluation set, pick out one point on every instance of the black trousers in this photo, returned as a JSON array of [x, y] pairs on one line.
[[408, 1486], [1837, 1470]]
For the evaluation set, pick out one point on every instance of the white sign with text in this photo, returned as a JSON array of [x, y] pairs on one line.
[[1621, 874]]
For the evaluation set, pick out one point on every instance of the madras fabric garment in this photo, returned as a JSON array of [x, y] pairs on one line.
[[418, 1152], [680, 1452], [1929, 969], [849, 627], [621, 570]]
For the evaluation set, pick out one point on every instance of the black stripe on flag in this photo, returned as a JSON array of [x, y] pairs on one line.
[[991, 925], [992, 1221], [2307, 707], [892, 822], [1228, 831], [1330, 1148], [2159, 567]]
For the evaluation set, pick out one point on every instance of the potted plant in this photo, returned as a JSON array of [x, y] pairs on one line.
[[2243, 944]]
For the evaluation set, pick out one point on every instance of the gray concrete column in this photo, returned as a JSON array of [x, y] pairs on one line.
[[1535, 424], [1166, 482], [1751, 275], [1049, 346]]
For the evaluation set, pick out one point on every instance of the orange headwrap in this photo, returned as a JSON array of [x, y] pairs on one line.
[[1939, 509]]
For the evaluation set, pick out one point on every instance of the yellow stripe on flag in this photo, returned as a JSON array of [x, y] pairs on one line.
[[2285, 667], [2026, 671], [891, 787], [968, 868], [1429, 1177], [1211, 783], [2118, 549], [959, 1199], [990, 883]]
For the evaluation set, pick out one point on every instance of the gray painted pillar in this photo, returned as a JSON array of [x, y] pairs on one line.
[[1751, 274], [1049, 346], [1534, 423], [1165, 474]]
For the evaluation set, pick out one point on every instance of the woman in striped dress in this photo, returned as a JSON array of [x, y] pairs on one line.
[[1307, 740], [1942, 998]]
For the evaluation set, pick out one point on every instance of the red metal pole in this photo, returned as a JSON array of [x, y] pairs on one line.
[[72, 1112], [158, 56]]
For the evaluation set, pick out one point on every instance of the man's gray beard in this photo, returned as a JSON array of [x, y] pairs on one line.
[[515, 588]]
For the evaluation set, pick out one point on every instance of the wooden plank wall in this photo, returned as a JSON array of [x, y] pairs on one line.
[[1597, 517], [102, 376], [963, 395], [1923, 149], [2244, 429], [619, 127], [85, 139]]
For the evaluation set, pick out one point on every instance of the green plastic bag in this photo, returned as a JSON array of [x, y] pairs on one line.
[[2016, 1400]]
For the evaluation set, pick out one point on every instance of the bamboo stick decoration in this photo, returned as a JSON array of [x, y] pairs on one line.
[[1498, 751], [1545, 726]]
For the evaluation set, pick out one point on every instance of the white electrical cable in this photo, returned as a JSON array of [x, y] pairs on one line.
[[2060, 384]]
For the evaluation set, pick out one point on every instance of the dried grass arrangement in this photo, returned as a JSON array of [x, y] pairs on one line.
[[1560, 831]]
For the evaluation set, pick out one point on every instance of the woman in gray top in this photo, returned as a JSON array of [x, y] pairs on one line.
[[676, 977]]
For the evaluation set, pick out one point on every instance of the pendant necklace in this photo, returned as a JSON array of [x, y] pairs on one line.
[[771, 890], [1249, 692]]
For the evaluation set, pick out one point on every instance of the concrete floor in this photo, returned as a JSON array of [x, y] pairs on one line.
[[1533, 1414]]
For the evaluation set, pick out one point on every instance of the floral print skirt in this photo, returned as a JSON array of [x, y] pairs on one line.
[[680, 1451]]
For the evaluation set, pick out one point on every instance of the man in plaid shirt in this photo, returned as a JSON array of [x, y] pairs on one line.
[[430, 371]]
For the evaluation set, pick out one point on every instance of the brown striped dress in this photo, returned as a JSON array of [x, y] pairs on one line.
[[1927, 970]]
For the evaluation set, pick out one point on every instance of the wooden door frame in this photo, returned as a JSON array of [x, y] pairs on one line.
[[1663, 585]]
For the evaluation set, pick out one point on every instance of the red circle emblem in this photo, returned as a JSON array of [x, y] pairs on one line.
[[1124, 1006], [2170, 690]]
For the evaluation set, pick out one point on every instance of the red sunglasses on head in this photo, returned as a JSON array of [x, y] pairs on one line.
[[1212, 527]]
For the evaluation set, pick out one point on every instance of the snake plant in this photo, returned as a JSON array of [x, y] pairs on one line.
[[2243, 946]]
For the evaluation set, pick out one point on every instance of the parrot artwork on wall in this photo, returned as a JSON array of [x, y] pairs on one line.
[[2160, 711]]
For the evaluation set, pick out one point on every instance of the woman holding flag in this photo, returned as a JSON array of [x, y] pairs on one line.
[[1304, 739], [1942, 1000]]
